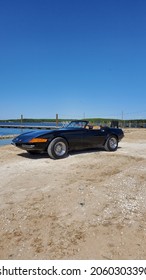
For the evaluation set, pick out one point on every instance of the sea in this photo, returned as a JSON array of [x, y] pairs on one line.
[[16, 131]]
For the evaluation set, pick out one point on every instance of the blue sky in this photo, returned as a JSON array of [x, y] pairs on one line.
[[77, 58]]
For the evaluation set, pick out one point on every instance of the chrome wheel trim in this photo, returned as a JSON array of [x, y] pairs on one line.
[[60, 149], [113, 143]]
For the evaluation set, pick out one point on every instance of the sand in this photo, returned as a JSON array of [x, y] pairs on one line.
[[90, 205]]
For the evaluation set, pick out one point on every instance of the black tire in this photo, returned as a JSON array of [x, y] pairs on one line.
[[58, 148], [111, 143]]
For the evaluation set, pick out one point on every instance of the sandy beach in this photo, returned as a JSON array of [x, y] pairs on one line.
[[90, 205]]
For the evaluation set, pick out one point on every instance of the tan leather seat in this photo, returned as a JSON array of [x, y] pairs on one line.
[[96, 127]]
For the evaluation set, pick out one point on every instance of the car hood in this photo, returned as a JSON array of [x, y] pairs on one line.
[[25, 137]]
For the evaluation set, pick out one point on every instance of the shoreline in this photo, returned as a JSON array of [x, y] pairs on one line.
[[5, 140], [7, 136]]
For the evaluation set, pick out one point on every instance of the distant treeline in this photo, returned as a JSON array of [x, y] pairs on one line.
[[91, 120]]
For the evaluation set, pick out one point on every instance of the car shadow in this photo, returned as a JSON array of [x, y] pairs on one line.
[[72, 153], [33, 156], [45, 155], [87, 151]]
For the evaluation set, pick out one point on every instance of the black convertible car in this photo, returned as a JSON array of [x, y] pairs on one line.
[[77, 135]]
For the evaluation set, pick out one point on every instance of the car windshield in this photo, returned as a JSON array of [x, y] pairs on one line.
[[77, 124]]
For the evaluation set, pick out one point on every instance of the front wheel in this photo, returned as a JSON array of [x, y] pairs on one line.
[[111, 144], [58, 148]]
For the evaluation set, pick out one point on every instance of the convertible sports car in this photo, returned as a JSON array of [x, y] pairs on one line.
[[77, 135]]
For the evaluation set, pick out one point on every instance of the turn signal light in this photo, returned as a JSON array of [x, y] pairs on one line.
[[38, 140]]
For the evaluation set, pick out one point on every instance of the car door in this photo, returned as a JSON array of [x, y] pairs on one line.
[[75, 138], [93, 138]]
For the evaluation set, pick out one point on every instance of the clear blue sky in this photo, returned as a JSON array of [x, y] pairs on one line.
[[77, 58]]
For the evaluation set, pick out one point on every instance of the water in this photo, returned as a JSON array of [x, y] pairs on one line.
[[4, 142], [17, 131]]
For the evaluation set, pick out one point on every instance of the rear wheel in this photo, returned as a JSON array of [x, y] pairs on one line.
[[111, 144], [58, 148]]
